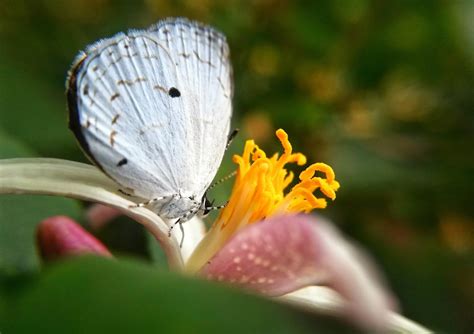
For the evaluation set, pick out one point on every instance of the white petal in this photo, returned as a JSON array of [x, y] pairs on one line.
[[194, 231]]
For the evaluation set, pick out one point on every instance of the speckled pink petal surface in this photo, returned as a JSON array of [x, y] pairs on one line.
[[285, 253], [60, 236], [274, 256]]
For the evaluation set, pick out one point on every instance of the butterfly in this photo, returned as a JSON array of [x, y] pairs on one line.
[[152, 109]]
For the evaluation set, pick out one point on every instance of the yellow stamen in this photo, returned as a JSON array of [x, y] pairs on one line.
[[259, 192]]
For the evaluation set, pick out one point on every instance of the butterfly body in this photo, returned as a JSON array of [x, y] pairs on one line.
[[177, 206], [151, 108]]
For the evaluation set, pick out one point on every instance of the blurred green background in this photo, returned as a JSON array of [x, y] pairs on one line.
[[381, 90]]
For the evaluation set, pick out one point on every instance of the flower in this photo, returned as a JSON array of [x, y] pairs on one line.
[[258, 193], [263, 241]]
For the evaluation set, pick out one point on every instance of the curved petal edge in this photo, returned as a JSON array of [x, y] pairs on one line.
[[285, 253]]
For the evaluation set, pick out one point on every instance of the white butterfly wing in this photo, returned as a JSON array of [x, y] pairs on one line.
[[152, 108]]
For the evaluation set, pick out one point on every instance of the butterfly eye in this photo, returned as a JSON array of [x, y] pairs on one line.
[[206, 206]]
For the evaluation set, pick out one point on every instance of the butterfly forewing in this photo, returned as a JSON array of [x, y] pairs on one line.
[[152, 108]]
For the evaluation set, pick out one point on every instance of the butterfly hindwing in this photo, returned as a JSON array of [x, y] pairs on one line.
[[152, 107]]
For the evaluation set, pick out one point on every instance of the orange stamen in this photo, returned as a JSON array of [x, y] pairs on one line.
[[259, 192]]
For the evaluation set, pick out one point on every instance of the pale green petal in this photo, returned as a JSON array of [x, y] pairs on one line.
[[76, 180]]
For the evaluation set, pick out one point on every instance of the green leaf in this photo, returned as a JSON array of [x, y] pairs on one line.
[[95, 295], [33, 112], [10, 147], [19, 216]]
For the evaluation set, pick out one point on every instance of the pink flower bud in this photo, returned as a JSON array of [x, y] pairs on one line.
[[60, 236]]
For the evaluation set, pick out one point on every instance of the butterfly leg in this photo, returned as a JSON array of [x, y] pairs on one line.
[[143, 204], [182, 235], [182, 231], [218, 207]]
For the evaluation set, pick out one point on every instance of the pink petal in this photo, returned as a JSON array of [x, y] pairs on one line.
[[285, 253], [274, 256], [60, 236]]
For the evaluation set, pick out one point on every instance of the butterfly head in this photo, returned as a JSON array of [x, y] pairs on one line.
[[206, 206]]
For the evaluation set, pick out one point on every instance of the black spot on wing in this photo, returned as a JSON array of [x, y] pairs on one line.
[[122, 162], [174, 92]]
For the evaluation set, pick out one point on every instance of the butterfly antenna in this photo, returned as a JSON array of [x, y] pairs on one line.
[[225, 178]]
